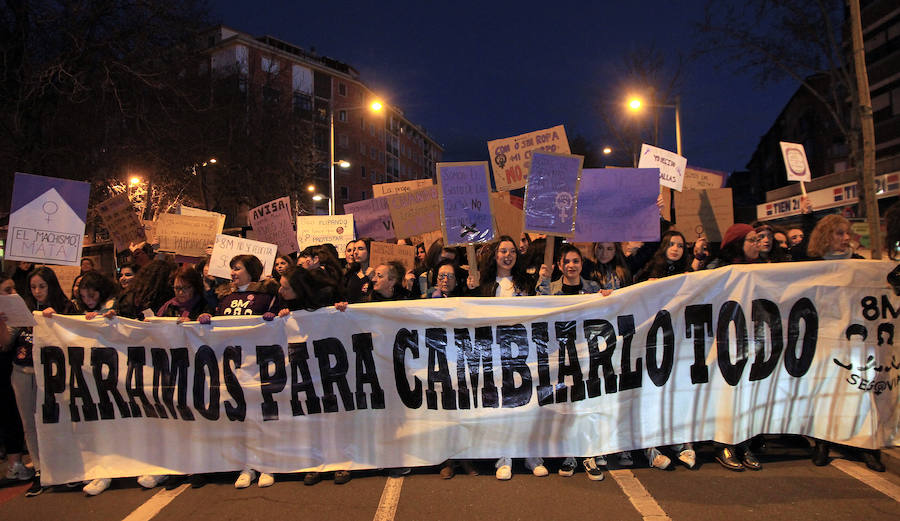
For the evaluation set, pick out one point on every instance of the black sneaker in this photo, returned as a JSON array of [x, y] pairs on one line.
[[591, 469], [341, 477], [567, 468], [35, 489], [311, 478]]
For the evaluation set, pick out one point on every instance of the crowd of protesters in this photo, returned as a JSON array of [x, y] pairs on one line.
[[155, 285]]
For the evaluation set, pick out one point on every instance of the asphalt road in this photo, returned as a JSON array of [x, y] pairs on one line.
[[788, 487]]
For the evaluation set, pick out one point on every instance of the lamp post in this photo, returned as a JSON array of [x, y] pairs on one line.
[[635, 104], [375, 106]]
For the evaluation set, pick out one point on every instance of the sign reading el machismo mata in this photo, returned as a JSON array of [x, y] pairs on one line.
[[46, 220], [511, 157]]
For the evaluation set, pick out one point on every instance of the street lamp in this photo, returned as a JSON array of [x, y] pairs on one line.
[[635, 104], [375, 106], [607, 151]]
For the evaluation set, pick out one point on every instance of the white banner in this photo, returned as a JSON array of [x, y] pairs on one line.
[[227, 247], [802, 348]]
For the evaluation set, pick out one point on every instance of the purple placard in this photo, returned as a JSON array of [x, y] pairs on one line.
[[465, 193], [550, 193], [372, 218], [618, 204]]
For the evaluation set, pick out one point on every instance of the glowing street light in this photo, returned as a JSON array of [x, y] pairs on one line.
[[311, 188], [635, 104], [343, 164], [607, 151], [134, 181]]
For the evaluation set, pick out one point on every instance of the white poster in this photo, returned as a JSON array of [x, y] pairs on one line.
[[197, 212], [313, 230], [227, 247], [725, 354], [795, 163], [671, 165]]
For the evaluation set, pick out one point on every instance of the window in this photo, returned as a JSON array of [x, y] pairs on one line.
[[373, 153], [362, 148], [345, 193], [362, 123], [343, 141], [271, 96], [363, 195], [362, 169], [269, 65], [372, 129], [302, 103], [342, 115], [342, 89]]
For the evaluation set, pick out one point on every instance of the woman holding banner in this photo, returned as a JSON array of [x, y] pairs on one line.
[[357, 280], [11, 433], [611, 270], [503, 275]]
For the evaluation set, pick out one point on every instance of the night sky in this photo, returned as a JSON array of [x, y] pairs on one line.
[[474, 71]]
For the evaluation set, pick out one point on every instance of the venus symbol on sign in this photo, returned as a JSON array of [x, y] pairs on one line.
[[49, 208], [563, 204]]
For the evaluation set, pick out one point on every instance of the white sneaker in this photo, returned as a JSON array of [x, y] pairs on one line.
[[688, 457], [245, 478], [150, 481], [601, 460], [625, 459], [265, 480], [540, 471], [97, 486], [657, 459], [19, 472], [504, 472]]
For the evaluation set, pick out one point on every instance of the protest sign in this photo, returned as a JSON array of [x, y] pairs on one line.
[[197, 212], [720, 355], [795, 163], [464, 190], [551, 193], [122, 221], [671, 165], [415, 212], [46, 220], [508, 219], [66, 276], [271, 223], [372, 218], [696, 178], [227, 247], [401, 187], [188, 235], [427, 238], [150, 231], [617, 205], [16, 311], [313, 230], [704, 212], [383, 252], [511, 157]]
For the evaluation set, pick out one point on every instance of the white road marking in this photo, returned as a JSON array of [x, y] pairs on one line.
[[387, 507], [868, 477], [642, 501], [156, 503]]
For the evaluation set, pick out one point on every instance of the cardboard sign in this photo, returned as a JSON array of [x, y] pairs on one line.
[[186, 235], [372, 218], [401, 187], [427, 239], [227, 247], [671, 165], [465, 195], [551, 193], [511, 157], [415, 212], [383, 252], [271, 223], [696, 178], [795, 163], [122, 221], [704, 212], [66, 276], [46, 220], [508, 218], [617, 205], [197, 212], [313, 230]]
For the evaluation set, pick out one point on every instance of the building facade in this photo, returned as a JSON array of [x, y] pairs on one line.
[[381, 147]]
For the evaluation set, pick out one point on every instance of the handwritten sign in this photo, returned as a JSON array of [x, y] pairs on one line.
[[66, 276], [383, 252], [427, 238], [508, 218], [46, 220], [465, 202], [617, 205], [415, 212], [17, 313], [671, 165], [551, 193], [313, 230], [122, 221], [372, 218], [696, 178], [704, 212], [271, 223], [150, 231], [197, 212], [187, 235], [795, 163], [511, 157], [227, 247], [401, 187]]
